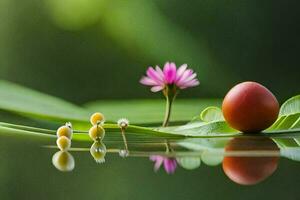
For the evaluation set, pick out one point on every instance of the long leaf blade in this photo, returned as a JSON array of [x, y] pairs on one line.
[[150, 111], [18, 99]]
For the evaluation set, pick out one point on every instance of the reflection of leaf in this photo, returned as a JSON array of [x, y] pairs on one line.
[[289, 147], [211, 150], [150, 111], [189, 163], [199, 144], [211, 114], [211, 158], [28, 102], [291, 153]]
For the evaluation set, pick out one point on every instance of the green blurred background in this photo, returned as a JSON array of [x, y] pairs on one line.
[[83, 50]]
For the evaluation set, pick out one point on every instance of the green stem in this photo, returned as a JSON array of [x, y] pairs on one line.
[[170, 92], [124, 139], [168, 111]]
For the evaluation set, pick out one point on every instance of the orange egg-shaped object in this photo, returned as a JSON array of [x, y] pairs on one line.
[[250, 169], [250, 107]]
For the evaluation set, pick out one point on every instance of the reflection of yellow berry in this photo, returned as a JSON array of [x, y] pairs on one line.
[[96, 132], [97, 118], [63, 143], [64, 131], [63, 161], [98, 151]]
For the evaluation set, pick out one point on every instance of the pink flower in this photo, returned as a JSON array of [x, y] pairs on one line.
[[159, 79], [170, 164]]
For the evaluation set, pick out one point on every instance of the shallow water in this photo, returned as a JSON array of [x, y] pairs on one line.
[[228, 168]]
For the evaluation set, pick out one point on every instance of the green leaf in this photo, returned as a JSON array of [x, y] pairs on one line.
[[189, 163], [81, 135], [285, 142], [289, 118], [31, 103], [291, 106], [289, 115], [12, 132], [219, 128], [27, 102], [211, 114], [150, 111], [289, 122], [211, 123], [21, 100]]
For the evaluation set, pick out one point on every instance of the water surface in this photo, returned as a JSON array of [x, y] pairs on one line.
[[215, 168]]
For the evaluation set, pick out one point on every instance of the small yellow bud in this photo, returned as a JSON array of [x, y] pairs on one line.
[[97, 133], [63, 161], [97, 118], [63, 143], [64, 131], [98, 151]]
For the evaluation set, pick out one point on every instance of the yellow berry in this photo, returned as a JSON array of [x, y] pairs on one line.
[[98, 151], [63, 161], [97, 118], [64, 131], [96, 132], [63, 143]]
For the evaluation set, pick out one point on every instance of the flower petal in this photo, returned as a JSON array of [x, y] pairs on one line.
[[158, 161], [180, 71], [191, 83], [170, 73], [157, 88], [189, 78], [184, 76], [155, 76], [147, 81], [159, 72], [181, 77], [170, 165]]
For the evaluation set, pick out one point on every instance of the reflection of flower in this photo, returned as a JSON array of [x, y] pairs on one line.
[[160, 79], [170, 164]]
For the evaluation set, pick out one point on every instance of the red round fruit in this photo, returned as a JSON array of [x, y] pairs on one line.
[[249, 170], [250, 107]]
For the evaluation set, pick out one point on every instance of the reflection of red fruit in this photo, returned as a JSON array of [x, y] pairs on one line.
[[250, 107], [250, 170]]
